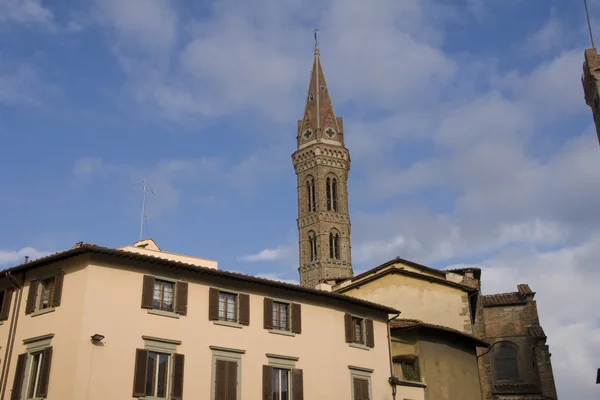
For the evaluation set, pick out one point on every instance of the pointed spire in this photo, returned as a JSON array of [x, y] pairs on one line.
[[319, 122]]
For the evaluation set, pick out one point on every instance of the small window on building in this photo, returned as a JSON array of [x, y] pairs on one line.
[[334, 245], [227, 307], [45, 294], [158, 372], [506, 364], [359, 330], [406, 368], [282, 382], [35, 370], [164, 296], [32, 371], [360, 389], [312, 246], [280, 316]]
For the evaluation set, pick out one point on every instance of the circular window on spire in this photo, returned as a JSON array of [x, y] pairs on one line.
[[323, 86], [330, 132], [307, 134], [311, 97]]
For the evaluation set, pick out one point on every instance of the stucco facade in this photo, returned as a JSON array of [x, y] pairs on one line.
[[102, 293]]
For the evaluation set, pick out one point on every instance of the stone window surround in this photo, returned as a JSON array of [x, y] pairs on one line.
[[37, 310], [164, 313], [226, 354], [289, 322], [231, 324], [362, 346], [281, 361], [160, 345], [34, 345], [360, 373]]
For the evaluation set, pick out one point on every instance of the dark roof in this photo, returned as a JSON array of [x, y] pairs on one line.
[[89, 248], [400, 271], [405, 323], [517, 388], [476, 271], [507, 299]]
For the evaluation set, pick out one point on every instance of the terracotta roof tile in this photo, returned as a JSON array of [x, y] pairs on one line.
[[404, 323], [517, 388], [536, 331], [502, 299]]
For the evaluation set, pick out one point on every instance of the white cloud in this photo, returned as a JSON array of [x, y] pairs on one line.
[[277, 277], [9, 258], [26, 12], [21, 84], [86, 166], [268, 255], [551, 36]]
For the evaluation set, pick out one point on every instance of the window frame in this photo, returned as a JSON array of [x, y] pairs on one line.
[[292, 329], [334, 245], [363, 332], [162, 293], [226, 354], [312, 246], [283, 362], [38, 293], [361, 373], [34, 346], [288, 322], [494, 362], [236, 298], [162, 346], [158, 311], [237, 293]]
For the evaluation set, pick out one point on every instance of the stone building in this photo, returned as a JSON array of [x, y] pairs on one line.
[[590, 79], [451, 342]]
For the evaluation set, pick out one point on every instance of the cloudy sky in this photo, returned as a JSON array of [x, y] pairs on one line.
[[469, 136]]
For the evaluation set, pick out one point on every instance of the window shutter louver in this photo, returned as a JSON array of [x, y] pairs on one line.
[[296, 318], [232, 380], [221, 379], [31, 297], [19, 375], [45, 372], [178, 367], [140, 372], [58, 286], [147, 291], [267, 382], [6, 304], [268, 317], [357, 389], [244, 309], [370, 335], [365, 390], [181, 299], [297, 384], [213, 304], [348, 327]]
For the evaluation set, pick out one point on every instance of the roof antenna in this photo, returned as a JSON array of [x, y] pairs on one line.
[[316, 41], [587, 14], [145, 190]]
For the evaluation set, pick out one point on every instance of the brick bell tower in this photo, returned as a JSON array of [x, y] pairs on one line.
[[591, 84], [322, 164]]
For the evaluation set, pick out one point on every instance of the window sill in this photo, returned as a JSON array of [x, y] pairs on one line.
[[44, 311], [280, 332], [163, 313], [228, 323], [402, 382], [359, 346]]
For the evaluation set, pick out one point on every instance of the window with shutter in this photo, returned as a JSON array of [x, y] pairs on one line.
[[229, 307], [360, 388], [159, 370], [283, 316], [44, 295], [5, 299], [164, 297], [226, 373]]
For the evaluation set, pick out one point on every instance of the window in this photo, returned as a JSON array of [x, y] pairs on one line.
[[5, 298], [312, 246], [32, 372], [361, 382], [359, 331], [281, 384], [331, 192], [228, 307], [282, 316], [506, 364], [334, 245], [164, 296], [310, 193], [406, 368], [44, 295], [226, 373], [158, 371], [281, 379]]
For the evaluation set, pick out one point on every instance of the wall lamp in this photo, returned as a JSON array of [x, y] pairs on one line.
[[97, 337]]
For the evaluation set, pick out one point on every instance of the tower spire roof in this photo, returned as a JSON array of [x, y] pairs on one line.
[[319, 122]]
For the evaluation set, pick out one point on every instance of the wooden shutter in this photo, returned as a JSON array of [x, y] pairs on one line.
[[45, 373], [140, 372], [296, 318], [181, 299], [6, 304], [365, 389], [19, 375], [213, 304], [221, 379], [267, 382], [58, 286], [244, 300], [348, 327], [361, 389], [297, 384], [178, 366], [268, 315], [147, 292], [370, 335], [232, 367], [31, 296]]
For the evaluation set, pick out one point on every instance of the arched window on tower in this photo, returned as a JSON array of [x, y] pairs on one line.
[[312, 246], [310, 194], [331, 190], [506, 362], [334, 245]]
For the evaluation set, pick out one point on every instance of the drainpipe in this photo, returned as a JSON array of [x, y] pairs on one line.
[[11, 331], [391, 380]]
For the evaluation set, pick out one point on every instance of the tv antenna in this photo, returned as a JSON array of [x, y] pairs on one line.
[[587, 14], [145, 191]]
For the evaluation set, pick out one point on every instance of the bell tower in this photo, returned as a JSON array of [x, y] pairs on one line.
[[322, 163]]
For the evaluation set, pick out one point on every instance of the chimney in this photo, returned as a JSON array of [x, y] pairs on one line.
[[26, 259], [323, 286]]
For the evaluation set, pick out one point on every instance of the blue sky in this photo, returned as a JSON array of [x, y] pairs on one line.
[[465, 120]]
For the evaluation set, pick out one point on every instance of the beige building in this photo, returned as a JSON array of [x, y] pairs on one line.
[[94, 323]]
